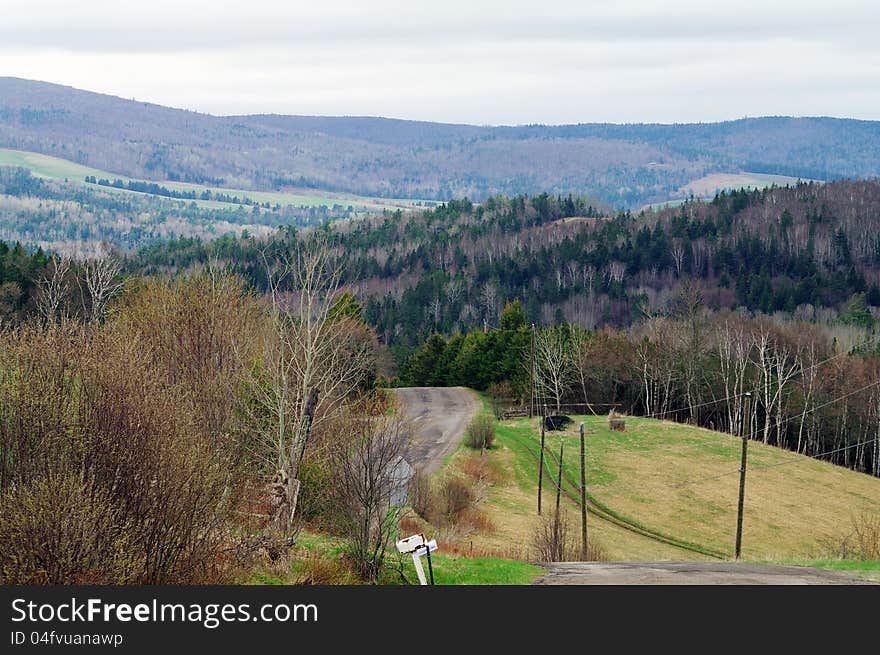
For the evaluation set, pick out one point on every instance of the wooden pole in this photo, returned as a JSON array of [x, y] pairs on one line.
[[583, 498], [747, 428], [559, 477], [541, 468], [532, 377]]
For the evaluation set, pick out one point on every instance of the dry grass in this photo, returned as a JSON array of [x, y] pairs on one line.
[[510, 506], [684, 481], [793, 510]]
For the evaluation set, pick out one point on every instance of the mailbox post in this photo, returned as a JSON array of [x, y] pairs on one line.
[[417, 545]]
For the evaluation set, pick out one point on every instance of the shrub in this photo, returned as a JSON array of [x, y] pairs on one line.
[[862, 543], [60, 530], [866, 536], [90, 426], [480, 432], [365, 456], [420, 497], [554, 541], [454, 497]]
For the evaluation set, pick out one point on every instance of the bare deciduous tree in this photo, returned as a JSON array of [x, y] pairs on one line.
[[102, 283], [656, 354], [489, 303], [733, 358], [368, 460], [553, 363], [54, 288], [313, 363]]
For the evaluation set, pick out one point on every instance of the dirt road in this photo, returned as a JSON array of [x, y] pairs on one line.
[[689, 573], [440, 416]]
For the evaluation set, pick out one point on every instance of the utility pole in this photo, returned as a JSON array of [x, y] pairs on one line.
[[541, 468], [559, 477], [583, 498], [532, 377], [746, 431]]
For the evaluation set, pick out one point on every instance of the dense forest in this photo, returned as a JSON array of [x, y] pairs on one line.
[[810, 252], [623, 165]]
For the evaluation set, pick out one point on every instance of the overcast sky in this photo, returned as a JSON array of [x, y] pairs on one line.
[[471, 61]]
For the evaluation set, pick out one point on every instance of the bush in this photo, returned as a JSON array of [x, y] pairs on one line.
[[420, 497], [480, 432], [862, 543], [365, 457], [454, 497], [554, 541], [106, 475], [60, 530]]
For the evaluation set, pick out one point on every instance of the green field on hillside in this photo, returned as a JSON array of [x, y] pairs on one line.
[[707, 186], [681, 483], [63, 169]]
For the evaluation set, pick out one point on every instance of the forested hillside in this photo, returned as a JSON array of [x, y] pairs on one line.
[[624, 165], [810, 251]]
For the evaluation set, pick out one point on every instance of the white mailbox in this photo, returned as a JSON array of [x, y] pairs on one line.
[[410, 544], [418, 546]]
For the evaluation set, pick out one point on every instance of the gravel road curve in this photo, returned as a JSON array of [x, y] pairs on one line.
[[439, 416]]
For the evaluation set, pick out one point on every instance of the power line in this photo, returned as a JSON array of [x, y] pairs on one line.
[[686, 447], [751, 434], [715, 401], [825, 454]]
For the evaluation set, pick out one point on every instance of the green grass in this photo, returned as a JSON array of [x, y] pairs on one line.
[[448, 569], [866, 569], [868, 566], [456, 570], [62, 169]]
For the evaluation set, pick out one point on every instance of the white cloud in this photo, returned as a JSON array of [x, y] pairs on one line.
[[477, 62]]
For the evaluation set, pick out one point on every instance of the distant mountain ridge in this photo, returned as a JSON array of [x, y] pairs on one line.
[[626, 165]]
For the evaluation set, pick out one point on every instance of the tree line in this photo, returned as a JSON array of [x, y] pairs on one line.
[[812, 393]]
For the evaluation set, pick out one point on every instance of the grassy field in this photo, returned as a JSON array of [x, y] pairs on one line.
[[62, 169], [680, 482], [666, 479], [707, 186]]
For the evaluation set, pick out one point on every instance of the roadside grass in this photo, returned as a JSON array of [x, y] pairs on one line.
[[459, 570], [483, 403], [319, 559], [867, 569], [63, 169]]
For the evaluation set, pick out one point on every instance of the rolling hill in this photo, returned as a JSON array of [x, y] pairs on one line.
[[663, 490], [56, 168], [623, 165]]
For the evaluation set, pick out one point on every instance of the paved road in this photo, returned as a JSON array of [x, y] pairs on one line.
[[440, 416], [688, 573]]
